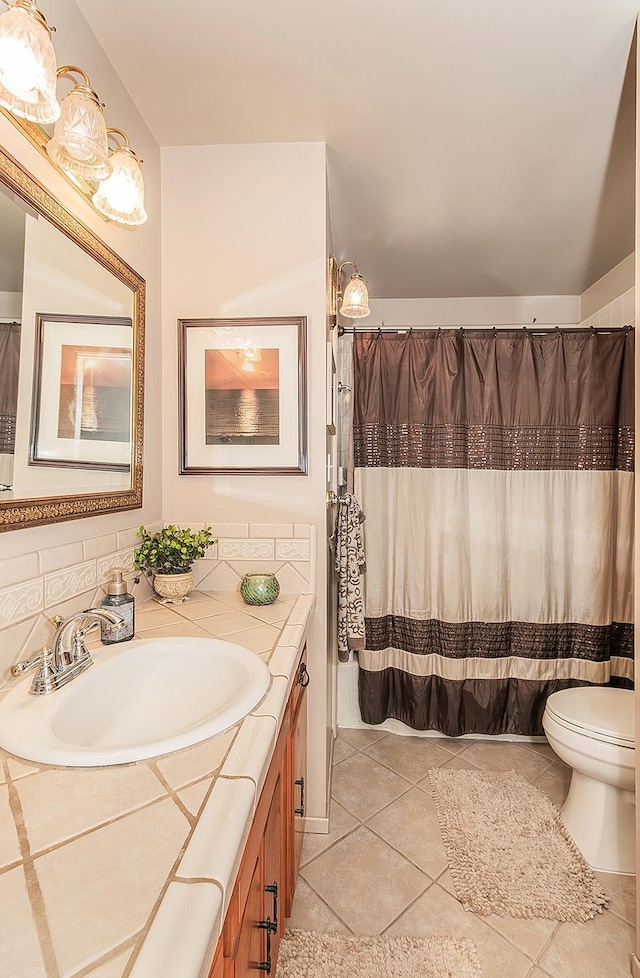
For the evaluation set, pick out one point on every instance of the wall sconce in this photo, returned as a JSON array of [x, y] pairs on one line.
[[120, 197], [79, 146], [27, 63], [353, 300], [79, 142]]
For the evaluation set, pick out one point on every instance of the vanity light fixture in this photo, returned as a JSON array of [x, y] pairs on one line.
[[27, 63], [352, 301], [79, 144], [120, 197]]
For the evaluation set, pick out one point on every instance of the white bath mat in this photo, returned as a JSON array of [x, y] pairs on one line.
[[508, 850]]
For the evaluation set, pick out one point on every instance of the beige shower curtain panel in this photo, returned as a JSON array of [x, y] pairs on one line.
[[496, 472]]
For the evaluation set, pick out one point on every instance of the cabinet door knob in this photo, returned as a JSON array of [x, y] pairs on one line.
[[303, 675]]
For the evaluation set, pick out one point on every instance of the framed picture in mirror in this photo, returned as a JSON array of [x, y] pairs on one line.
[[243, 396], [81, 404], [75, 323]]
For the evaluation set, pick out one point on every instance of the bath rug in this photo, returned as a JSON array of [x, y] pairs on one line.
[[307, 954], [508, 850]]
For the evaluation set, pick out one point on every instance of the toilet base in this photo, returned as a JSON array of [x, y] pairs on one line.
[[601, 819]]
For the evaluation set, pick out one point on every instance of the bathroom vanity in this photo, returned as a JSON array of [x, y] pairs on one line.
[[183, 864]]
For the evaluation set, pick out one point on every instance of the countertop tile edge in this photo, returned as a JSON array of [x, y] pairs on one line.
[[184, 932]]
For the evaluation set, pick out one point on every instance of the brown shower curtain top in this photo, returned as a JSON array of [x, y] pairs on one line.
[[496, 471], [9, 369]]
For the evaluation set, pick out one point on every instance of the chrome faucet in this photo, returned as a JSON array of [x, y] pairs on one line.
[[69, 656]]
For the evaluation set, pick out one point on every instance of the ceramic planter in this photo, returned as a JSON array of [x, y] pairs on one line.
[[173, 588]]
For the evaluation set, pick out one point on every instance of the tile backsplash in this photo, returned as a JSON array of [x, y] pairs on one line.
[[620, 312], [34, 587]]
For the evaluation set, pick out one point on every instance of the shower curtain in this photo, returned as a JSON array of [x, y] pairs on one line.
[[9, 369], [495, 469]]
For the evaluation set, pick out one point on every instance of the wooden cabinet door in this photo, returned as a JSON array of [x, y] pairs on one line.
[[251, 949], [217, 968], [298, 788], [274, 856]]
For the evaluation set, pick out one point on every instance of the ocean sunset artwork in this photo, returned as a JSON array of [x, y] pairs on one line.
[[242, 396]]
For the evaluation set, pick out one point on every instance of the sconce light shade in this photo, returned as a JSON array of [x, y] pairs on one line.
[[355, 301], [27, 64], [120, 197], [79, 141]]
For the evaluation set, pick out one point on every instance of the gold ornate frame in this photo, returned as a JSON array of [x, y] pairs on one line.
[[16, 514]]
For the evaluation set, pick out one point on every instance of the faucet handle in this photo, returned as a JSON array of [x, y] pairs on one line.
[[79, 650], [40, 658]]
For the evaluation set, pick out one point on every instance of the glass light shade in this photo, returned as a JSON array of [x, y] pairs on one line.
[[121, 196], [79, 141], [27, 66], [355, 301]]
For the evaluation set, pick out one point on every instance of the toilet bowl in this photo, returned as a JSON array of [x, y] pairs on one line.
[[592, 729]]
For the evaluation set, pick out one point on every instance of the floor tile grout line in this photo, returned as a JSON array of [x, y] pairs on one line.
[[397, 773], [548, 943], [408, 906], [400, 852], [331, 846], [329, 907], [378, 810]]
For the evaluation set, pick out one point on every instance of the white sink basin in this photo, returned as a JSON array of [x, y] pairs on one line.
[[138, 700]]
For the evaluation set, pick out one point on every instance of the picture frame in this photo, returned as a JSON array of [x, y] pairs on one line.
[[82, 403], [242, 391]]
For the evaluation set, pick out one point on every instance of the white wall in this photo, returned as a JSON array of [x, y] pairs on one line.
[[65, 544], [10, 305], [475, 311], [244, 234], [617, 281]]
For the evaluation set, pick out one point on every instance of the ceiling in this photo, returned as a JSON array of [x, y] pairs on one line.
[[474, 148]]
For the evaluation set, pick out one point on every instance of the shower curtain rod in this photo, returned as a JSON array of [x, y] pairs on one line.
[[529, 328]]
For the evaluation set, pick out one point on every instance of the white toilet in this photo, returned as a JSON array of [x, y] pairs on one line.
[[592, 729]]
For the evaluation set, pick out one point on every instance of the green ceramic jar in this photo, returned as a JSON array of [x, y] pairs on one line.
[[259, 588]]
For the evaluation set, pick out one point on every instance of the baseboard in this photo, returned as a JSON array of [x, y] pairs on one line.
[[635, 966], [320, 826]]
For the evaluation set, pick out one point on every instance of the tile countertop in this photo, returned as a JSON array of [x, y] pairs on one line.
[[128, 869]]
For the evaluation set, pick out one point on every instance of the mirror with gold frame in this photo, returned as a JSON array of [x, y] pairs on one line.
[[71, 363]]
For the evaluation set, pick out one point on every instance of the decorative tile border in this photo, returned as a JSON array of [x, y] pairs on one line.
[[245, 549], [66, 583], [292, 550], [21, 601], [42, 580], [121, 559]]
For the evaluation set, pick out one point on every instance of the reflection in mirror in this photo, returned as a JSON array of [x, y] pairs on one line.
[[71, 333]]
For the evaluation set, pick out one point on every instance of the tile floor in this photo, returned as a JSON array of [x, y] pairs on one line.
[[383, 870]]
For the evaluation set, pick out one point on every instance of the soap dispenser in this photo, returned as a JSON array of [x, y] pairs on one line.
[[121, 601]]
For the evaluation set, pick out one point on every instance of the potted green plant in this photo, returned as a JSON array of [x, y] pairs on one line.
[[168, 557]]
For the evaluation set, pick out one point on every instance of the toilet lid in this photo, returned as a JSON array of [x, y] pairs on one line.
[[607, 713]]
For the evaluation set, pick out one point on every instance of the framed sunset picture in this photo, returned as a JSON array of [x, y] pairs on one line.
[[243, 397], [82, 393]]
